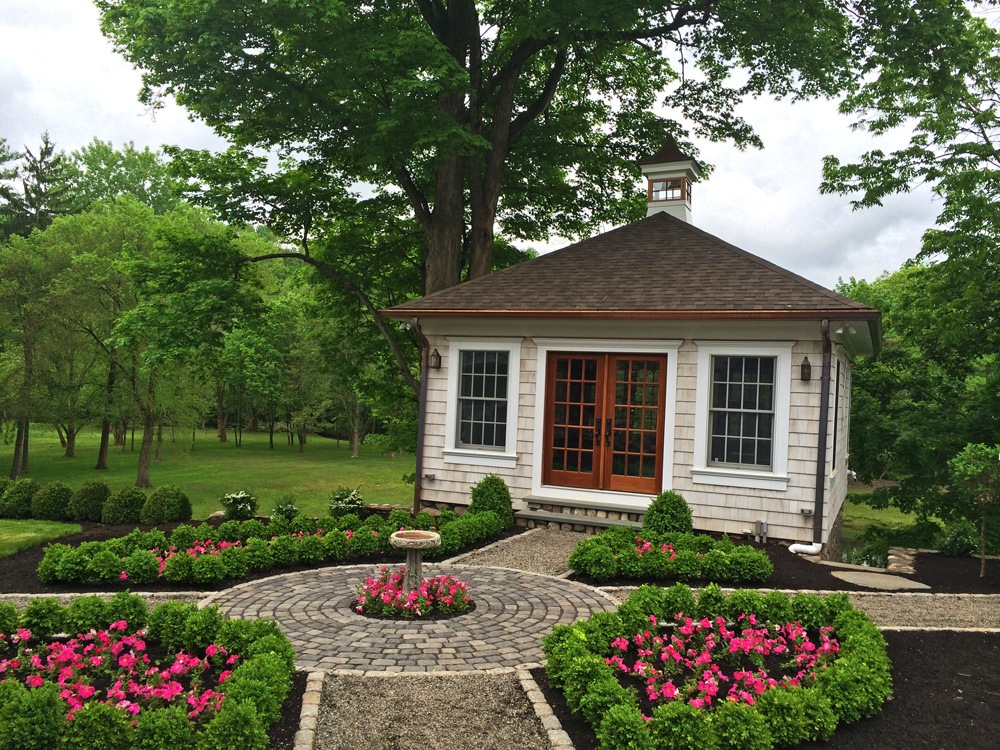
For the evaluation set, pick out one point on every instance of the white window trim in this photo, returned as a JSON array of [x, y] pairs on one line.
[[605, 498], [777, 477], [455, 454]]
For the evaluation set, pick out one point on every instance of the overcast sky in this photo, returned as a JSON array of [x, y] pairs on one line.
[[57, 73]]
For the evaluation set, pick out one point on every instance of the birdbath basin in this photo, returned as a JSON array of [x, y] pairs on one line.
[[414, 541]]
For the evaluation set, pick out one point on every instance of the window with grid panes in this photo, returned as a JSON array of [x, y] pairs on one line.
[[742, 411], [482, 400]]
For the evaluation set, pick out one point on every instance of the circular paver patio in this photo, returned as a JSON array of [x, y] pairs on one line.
[[513, 611]]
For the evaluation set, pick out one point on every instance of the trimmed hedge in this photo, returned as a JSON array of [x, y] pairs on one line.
[[88, 502], [16, 500], [165, 504], [620, 552], [250, 547], [254, 692], [492, 494], [852, 686], [124, 506], [51, 502]]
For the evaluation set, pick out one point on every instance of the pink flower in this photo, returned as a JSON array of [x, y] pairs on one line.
[[34, 680]]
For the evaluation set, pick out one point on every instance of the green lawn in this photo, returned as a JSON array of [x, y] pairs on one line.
[[211, 469], [21, 535], [858, 517]]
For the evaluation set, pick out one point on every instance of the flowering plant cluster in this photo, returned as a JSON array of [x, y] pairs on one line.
[[239, 506], [619, 553], [112, 667], [642, 546], [706, 660], [744, 669], [383, 596]]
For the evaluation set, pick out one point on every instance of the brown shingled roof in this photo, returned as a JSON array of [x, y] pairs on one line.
[[657, 268]]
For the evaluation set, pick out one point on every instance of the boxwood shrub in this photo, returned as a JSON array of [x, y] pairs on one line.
[[51, 502], [254, 692], [621, 552], [16, 500], [88, 501], [852, 681], [124, 506], [140, 555]]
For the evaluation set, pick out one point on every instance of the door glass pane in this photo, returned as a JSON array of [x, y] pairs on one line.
[[633, 466], [586, 462]]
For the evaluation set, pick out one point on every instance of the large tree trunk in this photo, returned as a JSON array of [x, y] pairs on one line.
[[146, 447], [24, 446], [15, 464], [159, 441], [59, 432], [120, 429], [102, 450], [71, 433]]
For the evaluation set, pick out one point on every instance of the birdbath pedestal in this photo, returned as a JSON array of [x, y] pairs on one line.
[[414, 541]]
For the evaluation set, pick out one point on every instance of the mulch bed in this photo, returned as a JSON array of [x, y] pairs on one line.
[[946, 696]]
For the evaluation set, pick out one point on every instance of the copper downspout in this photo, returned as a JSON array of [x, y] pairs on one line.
[[824, 428], [418, 474]]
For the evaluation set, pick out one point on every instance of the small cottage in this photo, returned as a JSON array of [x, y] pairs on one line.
[[654, 356]]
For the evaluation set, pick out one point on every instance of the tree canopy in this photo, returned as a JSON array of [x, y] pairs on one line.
[[524, 115]]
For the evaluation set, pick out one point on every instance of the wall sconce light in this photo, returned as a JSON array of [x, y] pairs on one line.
[[434, 361], [806, 370]]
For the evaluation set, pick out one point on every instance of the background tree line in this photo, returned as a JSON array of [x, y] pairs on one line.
[[121, 305]]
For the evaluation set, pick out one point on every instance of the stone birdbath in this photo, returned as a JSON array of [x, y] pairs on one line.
[[414, 541]]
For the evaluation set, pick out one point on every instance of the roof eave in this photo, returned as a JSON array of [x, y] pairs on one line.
[[842, 314]]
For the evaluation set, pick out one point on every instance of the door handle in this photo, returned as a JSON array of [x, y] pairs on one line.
[[607, 432], [597, 432]]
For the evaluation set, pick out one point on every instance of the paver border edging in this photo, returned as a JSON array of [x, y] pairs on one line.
[[312, 698], [558, 738]]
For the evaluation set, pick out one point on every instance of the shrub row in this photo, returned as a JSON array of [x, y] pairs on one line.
[[25, 498], [620, 553], [239, 548], [853, 686], [254, 692]]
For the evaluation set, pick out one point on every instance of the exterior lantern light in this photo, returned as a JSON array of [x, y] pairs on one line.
[[434, 361], [806, 370]]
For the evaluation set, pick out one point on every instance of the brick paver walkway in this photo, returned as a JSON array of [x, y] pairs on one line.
[[513, 611]]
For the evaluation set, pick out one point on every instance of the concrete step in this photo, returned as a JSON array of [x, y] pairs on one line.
[[568, 522]]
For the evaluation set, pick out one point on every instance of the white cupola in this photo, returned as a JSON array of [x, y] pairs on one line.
[[669, 173]]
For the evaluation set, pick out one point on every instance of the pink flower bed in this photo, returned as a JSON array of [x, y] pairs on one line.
[[108, 666], [707, 661], [383, 596]]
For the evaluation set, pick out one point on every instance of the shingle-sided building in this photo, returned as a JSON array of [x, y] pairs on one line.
[[654, 356]]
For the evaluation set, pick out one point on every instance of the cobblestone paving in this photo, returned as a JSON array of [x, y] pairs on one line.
[[513, 611]]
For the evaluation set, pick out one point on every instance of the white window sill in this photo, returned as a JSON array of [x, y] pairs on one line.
[[736, 478], [470, 457]]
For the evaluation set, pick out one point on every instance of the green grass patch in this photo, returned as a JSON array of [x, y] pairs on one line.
[[16, 536], [858, 517], [206, 469]]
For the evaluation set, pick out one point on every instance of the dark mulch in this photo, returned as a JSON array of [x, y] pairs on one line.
[[945, 575], [282, 734], [18, 572], [946, 696]]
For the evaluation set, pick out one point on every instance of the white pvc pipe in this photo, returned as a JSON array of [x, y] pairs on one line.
[[806, 549]]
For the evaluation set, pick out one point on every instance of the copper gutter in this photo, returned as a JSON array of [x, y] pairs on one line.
[[418, 473], [824, 428]]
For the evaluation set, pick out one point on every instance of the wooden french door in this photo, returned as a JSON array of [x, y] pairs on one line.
[[604, 421]]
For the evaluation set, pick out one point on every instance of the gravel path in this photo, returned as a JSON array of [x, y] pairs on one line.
[[537, 551], [417, 712]]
